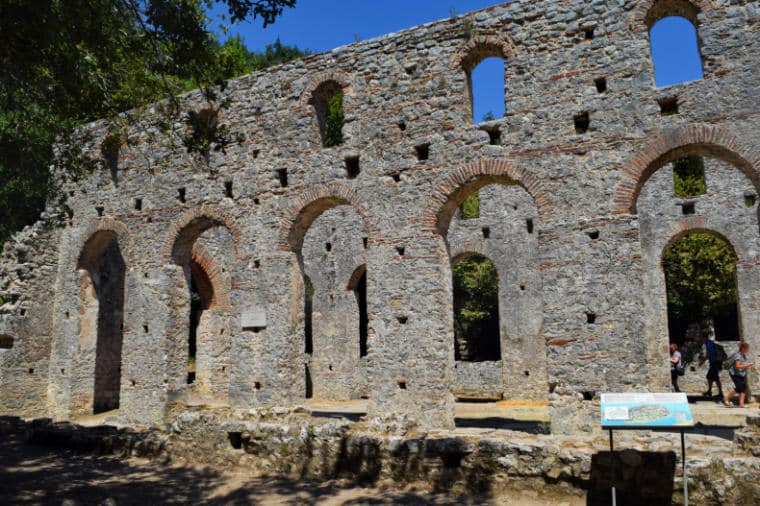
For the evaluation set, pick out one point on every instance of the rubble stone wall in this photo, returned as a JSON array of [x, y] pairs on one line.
[[591, 316]]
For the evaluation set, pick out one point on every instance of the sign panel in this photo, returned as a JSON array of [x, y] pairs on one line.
[[646, 411]]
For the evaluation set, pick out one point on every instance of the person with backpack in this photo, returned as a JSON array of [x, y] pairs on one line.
[[738, 373], [676, 366], [716, 364]]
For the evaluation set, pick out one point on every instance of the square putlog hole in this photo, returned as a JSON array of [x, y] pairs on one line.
[[668, 106], [352, 167], [494, 135], [688, 208], [423, 152], [282, 176], [582, 123], [601, 84]]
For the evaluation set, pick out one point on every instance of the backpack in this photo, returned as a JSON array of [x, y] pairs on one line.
[[720, 353], [729, 362]]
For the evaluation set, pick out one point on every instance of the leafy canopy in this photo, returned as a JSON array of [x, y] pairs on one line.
[[470, 208], [689, 176], [700, 272], [67, 62], [334, 121], [476, 309]]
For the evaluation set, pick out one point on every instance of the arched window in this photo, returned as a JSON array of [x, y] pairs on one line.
[[486, 81], [674, 42], [476, 310], [327, 100]]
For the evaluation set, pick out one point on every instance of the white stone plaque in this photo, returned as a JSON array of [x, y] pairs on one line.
[[254, 318]]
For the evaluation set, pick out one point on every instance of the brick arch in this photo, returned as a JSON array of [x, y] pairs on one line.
[[670, 145], [648, 12], [97, 235], [454, 188], [318, 80], [467, 249], [695, 225], [185, 230], [308, 206], [480, 46], [209, 279]]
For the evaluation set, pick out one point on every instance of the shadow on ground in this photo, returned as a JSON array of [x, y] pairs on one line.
[[32, 475]]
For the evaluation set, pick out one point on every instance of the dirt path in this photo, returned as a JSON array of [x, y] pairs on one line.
[[31, 475]]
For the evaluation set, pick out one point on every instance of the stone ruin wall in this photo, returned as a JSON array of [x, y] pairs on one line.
[[600, 224]]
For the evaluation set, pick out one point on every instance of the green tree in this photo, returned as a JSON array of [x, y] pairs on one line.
[[700, 273], [689, 176], [476, 309], [275, 54], [67, 62], [470, 208], [334, 121]]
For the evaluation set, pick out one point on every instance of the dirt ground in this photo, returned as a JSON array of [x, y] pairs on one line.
[[31, 475]]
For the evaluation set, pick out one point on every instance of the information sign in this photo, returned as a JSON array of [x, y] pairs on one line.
[[646, 411]]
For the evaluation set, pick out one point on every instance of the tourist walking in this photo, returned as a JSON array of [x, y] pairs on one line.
[[676, 366], [713, 373], [738, 373]]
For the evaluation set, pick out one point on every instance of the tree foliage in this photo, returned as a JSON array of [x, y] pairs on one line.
[[689, 176], [476, 309], [334, 121], [470, 208], [700, 273], [67, 62]]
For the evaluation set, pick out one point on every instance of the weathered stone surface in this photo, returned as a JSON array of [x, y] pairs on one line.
[[594, 211]]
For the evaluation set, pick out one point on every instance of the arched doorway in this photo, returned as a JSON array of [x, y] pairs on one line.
[[101, 270], [333, 259]]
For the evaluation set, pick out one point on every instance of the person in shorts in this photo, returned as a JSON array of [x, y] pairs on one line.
[[713, 373], [738, 373]]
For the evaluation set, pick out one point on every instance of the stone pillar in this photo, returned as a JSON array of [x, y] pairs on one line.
[[592, 317], [267, 365], [411, 352], [147, 377], [748, 290], [64, 345]]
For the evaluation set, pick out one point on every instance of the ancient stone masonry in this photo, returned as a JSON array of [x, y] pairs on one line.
[[280, 269]]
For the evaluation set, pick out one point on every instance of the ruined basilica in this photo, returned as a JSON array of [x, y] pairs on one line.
[[326, 272]]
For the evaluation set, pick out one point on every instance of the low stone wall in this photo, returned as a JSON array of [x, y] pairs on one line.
[[478, 380], [292, 443]]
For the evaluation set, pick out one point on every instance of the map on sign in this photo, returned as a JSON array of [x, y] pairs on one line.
[[644, 410]]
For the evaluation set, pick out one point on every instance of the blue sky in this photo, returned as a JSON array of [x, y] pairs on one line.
[[321, 25]]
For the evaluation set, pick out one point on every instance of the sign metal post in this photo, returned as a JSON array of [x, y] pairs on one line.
[[644, 411]]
